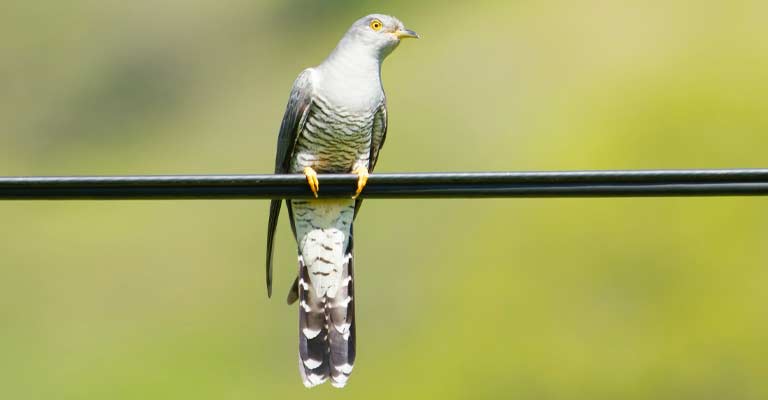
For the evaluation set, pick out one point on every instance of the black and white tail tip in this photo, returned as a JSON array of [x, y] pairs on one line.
[[326, 330]]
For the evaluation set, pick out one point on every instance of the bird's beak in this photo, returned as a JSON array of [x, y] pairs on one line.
[[406, 33]]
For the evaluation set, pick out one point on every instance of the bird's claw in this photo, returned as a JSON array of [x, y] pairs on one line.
[[362, 179], [314, 184]]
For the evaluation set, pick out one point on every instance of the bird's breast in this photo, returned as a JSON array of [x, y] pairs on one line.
[[334, 138], [352, 89]]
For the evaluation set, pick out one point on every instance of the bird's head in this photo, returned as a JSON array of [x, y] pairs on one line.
[[378, 33]]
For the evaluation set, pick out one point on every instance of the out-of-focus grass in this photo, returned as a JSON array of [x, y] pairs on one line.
[[601, 298]]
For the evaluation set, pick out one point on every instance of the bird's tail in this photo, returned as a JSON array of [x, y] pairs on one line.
[[326, 327]]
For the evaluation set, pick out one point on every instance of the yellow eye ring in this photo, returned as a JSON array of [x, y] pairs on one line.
[[376, 25]]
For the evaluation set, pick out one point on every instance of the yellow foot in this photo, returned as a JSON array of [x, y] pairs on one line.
[[362, 179], [311, 175]]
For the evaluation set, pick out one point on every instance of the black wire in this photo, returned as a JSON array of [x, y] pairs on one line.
[[643, 183]]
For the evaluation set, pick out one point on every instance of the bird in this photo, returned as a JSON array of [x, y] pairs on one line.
[[335, 122]]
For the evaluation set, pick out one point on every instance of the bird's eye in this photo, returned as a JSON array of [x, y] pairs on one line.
[[376, 25]]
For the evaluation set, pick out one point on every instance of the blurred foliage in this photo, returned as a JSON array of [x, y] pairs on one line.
[[583, 299]]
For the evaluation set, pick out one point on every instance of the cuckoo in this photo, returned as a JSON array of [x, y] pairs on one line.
[[335, 122]]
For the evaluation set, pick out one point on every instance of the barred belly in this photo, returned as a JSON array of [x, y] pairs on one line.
[[322, 231], [333, 139]]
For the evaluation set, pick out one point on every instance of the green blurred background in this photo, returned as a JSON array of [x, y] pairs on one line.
[[529, 299]]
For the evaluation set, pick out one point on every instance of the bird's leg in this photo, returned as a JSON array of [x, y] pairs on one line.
[[362, 179], [311, 175]]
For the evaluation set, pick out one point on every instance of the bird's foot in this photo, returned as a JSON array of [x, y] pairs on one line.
[[311, 175], [362, 179]]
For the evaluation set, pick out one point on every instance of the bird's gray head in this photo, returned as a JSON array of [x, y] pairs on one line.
[[380, 34]]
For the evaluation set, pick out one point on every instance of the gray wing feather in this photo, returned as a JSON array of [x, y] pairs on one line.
[[379, 134], [377, 142], [293, 122]]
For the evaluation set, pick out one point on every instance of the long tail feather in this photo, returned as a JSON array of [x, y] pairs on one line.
[[274, 214], [326, 327], [341, 330], [313, 332]]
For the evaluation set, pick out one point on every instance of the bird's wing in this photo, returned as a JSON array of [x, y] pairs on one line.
[[379, 134], [293, 122], [377, 142]]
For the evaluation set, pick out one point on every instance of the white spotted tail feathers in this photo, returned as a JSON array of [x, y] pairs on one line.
[[326, 325]]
